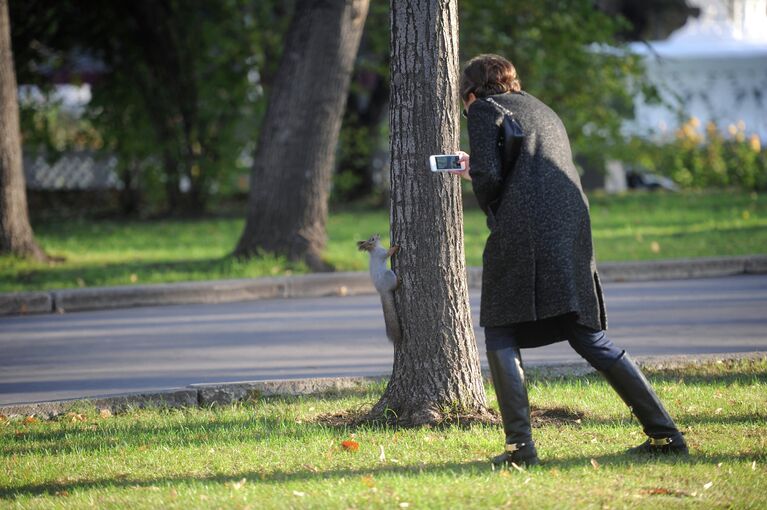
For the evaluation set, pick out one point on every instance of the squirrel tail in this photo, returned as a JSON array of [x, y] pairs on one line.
[[393, 330]]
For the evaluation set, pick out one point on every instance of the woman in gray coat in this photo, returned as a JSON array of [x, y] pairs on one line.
[[539, 283]]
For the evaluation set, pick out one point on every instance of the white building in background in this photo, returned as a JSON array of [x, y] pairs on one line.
[[714, 68]]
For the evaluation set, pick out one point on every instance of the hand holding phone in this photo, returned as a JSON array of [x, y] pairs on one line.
[[445, 163]]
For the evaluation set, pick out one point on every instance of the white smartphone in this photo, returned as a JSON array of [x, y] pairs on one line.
[[445, 163]]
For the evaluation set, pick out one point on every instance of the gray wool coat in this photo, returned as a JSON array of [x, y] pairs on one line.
[[538, 260]]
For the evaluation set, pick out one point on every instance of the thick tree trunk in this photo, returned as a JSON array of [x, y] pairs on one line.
[[291, 176], [436, 365], [16, 235]]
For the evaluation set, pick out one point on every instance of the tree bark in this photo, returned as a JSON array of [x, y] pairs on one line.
[[436, 365], [16, 236], [291, 175]]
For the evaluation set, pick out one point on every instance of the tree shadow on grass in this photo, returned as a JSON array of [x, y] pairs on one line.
[[745, 372], [279, 476], [82, 438], [68, 276]]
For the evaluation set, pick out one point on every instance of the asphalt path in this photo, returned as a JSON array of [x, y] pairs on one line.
[[48, 357]]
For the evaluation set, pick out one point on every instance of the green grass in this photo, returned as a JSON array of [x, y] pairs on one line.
[[637, 226], [272, 453]]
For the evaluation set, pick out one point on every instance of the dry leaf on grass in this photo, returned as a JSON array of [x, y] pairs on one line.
[[299, 494], [75, 417], [708, 485], [662, 491], [105, 413], [239, 485], [594, 463], [351, 446], [382, 456], [30, 419], [515, 466]]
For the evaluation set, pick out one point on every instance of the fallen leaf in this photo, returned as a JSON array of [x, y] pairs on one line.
[[708, 485], [299, 494], [3, 418], [238, 485], [368, 481], [75, 417], [382, 456], [718, 410], [514, 465], [594, 463], [753, 466], [655, 247], [62, 493], [527, 480], [30, 419], [105, 413], [404, 504], [351, 446], [661, 491], [133, 278]]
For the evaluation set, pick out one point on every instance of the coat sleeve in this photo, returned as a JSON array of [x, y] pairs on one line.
[[486, 168]]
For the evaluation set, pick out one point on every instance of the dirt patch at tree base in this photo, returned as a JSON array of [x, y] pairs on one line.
[[539, 417]]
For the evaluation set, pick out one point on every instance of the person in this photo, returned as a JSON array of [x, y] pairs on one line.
[[540, 283]]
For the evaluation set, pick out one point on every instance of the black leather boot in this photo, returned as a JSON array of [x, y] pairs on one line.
[[630, 383], [509, 382]]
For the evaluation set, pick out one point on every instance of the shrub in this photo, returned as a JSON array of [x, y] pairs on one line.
[[705, 158]]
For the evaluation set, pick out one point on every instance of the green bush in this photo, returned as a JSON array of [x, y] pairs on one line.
[[705, 158]]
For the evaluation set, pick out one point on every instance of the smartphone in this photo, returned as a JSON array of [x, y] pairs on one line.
[[445, 163]]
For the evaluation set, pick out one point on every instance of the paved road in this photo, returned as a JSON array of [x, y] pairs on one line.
[[48, 357]]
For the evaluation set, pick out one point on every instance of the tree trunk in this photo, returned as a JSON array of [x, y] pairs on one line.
[[291, 175], [16, 235], [436, 365]]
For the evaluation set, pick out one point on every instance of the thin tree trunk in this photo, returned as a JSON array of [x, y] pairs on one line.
[[436, 365], [16, 236], [291, 175]]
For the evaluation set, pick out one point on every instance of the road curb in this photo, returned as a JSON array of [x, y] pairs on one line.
[[206, 395], [329, 284]]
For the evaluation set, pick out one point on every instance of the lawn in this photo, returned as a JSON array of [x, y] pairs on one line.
[[636, 226], [279, 453]]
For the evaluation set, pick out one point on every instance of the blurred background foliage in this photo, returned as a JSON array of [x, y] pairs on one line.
[[179, 89], [704, 157]]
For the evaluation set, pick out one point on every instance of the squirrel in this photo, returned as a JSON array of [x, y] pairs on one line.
[[385, 281]]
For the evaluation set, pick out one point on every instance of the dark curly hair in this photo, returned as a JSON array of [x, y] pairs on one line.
[[486, 75]]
